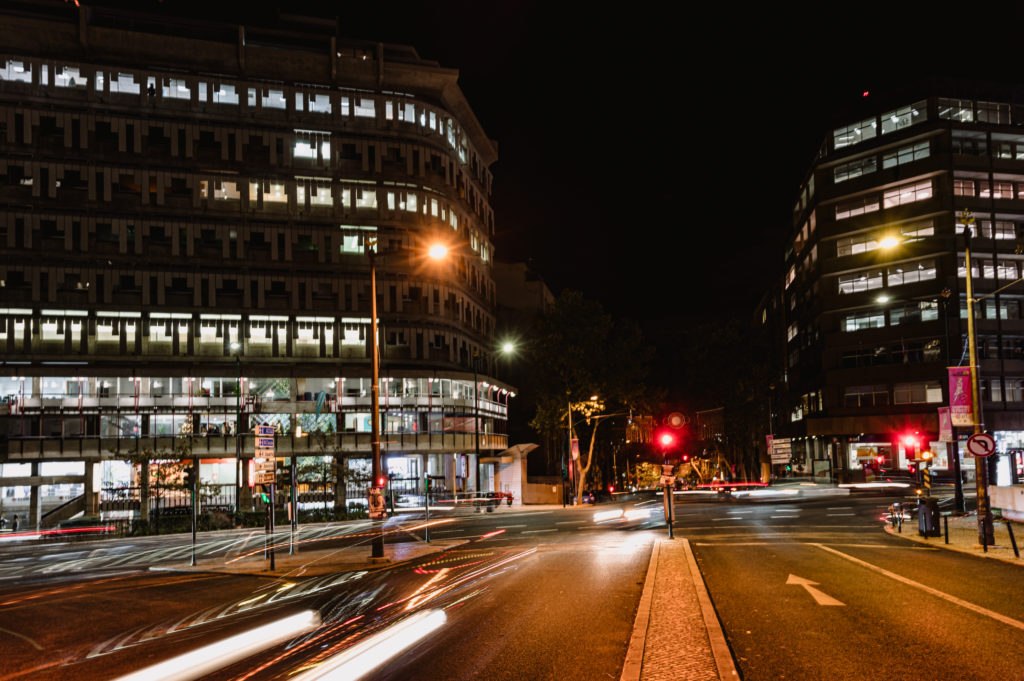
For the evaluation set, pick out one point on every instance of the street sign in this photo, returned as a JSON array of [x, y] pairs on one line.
[[265, 442], [981, 444], [667, 480], [667, 469], [265, 430], [782, 450], [265, 464], [263, 477]]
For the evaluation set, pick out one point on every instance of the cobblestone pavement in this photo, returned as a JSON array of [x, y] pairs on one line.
[[677, 636]]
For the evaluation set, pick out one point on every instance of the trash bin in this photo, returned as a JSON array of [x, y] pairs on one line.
[[929, 518]]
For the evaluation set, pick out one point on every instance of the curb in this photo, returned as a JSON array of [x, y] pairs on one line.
[[635, 653], [917, 539], [719, 646]]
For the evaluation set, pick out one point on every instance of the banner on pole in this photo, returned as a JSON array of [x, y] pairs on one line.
[[575, 448], [945, 425], [960, 396]]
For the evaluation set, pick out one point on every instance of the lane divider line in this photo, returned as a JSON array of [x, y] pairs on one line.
[[927, 589]]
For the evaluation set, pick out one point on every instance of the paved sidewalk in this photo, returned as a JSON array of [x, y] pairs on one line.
[[676, 635], [963, 536]]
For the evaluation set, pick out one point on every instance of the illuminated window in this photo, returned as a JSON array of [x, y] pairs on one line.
[[993, 112], [910, 273], [919, 191], [176, 88], [859, 243], [366, 198], [854, 134], [15, 71], [924, 311], [914, 152], [365, 108], [68, 76], [960, 110], [225, 93], [863, 320], [858, 282], [125, 84], [320, 104], [273, 99], [904, 117], [848, 171], [858, 206]]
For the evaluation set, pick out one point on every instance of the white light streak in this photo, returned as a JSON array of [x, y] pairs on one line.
[[202, 661]]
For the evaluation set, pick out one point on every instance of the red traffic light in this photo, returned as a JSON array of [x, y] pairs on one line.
[[880, 460], [911, 440], [611, 488], [381, 481]]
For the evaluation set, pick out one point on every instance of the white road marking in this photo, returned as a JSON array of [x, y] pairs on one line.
[[830, 515], [784, 516], [554, 529], [572, 522], [839, 508], [820, 597], [927, 589], [23, 637], [715, 520], [506, 527], [736, 512]]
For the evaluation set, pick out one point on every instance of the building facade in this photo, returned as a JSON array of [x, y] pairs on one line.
[[185, 210], [872, 306]]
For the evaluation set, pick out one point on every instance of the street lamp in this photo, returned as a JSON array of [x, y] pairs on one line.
[[235, 348], [985, 530], [436, 252], [506, 348]]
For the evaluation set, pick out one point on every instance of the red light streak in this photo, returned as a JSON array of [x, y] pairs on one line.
[[492, 534]]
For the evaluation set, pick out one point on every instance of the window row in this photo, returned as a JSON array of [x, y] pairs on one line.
[[869, 241], [903, 352], [888, 122], [910, 313], [988, 189], [894, 275], [1000, 268], [918, 392], [219, 92], [890, 198], [970, 111], [268, 389], [869, 164]]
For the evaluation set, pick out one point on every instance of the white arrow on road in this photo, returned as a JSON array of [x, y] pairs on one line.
[[820, 597]]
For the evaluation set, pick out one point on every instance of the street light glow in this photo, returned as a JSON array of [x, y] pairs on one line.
[[438, 251], [507, 347], [889, 242]]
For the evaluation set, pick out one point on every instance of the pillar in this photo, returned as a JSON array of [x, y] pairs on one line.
[[92, 495], [35, 505]]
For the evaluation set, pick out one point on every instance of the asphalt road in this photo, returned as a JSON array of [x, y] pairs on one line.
[[806, 588], [547, 594], [907, 612]]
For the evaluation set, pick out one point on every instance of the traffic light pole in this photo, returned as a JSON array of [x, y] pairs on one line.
[[295, 505]]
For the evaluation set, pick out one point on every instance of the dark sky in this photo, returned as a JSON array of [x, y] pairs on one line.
[[650, 157]]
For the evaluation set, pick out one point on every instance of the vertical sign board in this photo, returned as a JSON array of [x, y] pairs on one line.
[[265, 463], [782, 450], [960, 396], [945, 425]]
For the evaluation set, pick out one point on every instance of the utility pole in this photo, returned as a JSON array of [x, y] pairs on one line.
[[985, 531]]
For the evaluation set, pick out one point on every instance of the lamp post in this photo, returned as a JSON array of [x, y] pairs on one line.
[[235, 347], [985, 531], [436, 252], [506, 348]]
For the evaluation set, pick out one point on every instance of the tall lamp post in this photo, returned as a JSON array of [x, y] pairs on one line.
[[506, 348], [985, 530], [436, 252], [235, 347]]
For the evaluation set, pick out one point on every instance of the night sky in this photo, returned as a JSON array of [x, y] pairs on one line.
[[651, 157]]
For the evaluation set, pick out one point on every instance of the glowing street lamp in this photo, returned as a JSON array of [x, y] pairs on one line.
[[889, 242]]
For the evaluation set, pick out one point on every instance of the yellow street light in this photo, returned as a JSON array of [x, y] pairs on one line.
[[889, 242], [438, 251]]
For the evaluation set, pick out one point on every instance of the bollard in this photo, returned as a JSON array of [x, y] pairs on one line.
[[1013, 540], [945, 522]]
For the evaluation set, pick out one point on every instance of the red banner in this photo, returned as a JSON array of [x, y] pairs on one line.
[[945, 425], [960, 396]]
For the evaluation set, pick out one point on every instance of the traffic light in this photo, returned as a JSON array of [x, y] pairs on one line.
[[880, 460], [789, 466], [381, 482], [190, 477], [927, 456], [666, 440], [686, 458], [611, 488]]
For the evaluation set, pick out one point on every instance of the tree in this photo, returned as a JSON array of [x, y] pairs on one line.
[[578, 352]]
